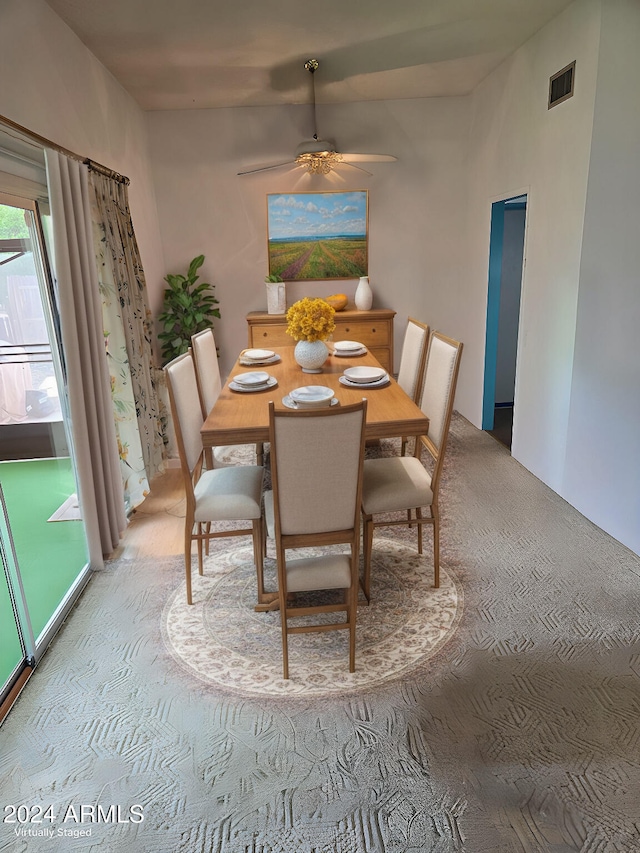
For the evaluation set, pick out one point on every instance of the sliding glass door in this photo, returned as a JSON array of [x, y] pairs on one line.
[[42, 539]]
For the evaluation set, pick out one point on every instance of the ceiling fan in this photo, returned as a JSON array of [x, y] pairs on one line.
[[319, 156]]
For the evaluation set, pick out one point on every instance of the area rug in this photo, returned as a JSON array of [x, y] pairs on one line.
[[222, 640]]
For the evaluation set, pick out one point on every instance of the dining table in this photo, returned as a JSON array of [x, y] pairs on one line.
[[242, 417]]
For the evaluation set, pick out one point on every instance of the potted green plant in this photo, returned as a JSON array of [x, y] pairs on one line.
[[188, 308]]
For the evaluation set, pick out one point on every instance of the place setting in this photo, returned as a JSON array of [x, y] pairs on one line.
[[364, 377], [310, 397], [348, 349], [256, 357], [253, 380]]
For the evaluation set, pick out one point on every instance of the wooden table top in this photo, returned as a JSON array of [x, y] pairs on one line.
[[241, 417]]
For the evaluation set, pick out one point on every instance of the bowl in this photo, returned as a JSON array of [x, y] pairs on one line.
[[312, 395], [364, 374]]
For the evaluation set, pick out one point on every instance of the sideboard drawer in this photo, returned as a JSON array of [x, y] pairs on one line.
[[370, 334], [271, 334]]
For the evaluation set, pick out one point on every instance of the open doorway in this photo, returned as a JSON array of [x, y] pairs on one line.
[[506, 264]]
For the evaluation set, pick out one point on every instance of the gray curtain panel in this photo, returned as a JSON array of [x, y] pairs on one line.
[[90, 405]]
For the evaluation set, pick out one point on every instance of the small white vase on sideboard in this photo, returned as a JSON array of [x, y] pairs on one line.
[[364, 296]]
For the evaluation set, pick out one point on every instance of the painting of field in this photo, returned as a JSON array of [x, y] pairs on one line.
[[318, 235]]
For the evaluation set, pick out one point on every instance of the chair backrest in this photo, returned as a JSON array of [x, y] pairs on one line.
[[317, 458], [439, 388], [412, 358], [185, 409], [205, 356]]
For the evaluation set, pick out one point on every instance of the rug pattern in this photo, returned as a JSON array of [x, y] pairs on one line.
[[222, 640]]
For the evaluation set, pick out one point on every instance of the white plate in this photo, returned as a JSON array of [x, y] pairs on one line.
[[257, 354], [291, 404], [312, 395], [350, 353], [247, 362], [364, 374], [347, 346], [248, 388], [379, 383], [253, 377]]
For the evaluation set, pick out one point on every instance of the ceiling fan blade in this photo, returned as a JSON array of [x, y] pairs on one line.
[[353, 166], [265, 168], [368, 158]]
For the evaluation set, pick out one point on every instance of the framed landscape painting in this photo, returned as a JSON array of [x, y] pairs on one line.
[[318, 235]]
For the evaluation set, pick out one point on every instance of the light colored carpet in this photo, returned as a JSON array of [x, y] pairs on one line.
[[519, 735], [222, 640]]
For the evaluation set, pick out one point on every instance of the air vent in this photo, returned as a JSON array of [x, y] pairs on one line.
[[561, 85]]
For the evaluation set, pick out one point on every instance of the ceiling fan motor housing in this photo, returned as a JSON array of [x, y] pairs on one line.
[[315, 146]]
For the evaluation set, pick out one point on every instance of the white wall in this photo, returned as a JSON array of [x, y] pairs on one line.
[[602, 474], [416, 244], [53, 86], [518, 145]]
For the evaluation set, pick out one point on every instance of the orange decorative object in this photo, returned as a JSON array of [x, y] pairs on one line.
[[338, 301]]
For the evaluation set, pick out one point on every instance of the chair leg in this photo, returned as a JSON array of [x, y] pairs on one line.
[[285, 638], [206, 543], [436, 547], [353, 604], [260, 453], [282, 597], [419, 518], [187, 559], [200, 549], [265, 536], [403, 445], [367, 546], [258, 555]]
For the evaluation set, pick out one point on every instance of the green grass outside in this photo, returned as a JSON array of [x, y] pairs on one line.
[[50, 555]]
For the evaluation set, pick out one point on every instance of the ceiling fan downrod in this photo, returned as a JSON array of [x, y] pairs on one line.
[[317, 159]]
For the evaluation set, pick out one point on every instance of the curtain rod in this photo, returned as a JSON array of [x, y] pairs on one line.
[[42, 140]]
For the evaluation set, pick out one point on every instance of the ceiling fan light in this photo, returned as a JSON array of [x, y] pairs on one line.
[[319, 162]]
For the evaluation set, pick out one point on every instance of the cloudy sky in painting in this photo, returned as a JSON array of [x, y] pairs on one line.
[[293, 215]]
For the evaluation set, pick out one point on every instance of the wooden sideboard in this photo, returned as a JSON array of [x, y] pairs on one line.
[[372, 328]]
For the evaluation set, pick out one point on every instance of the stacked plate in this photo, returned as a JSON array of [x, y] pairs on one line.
[[364, 377], [251, 357], [348, 348], [255, 380], [310, 397]]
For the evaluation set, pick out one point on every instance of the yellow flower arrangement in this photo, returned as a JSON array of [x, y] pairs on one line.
[[310, 319]]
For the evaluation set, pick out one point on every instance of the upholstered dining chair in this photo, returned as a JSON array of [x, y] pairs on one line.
[[316, 470], [402, 484], [212, 495], [412, 361], [205, 356]]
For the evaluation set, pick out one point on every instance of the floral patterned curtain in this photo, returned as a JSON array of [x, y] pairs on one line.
[[128, 335]]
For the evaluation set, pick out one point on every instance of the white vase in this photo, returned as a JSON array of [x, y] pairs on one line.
[[276, 297], [311, 355], [364, 296]]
